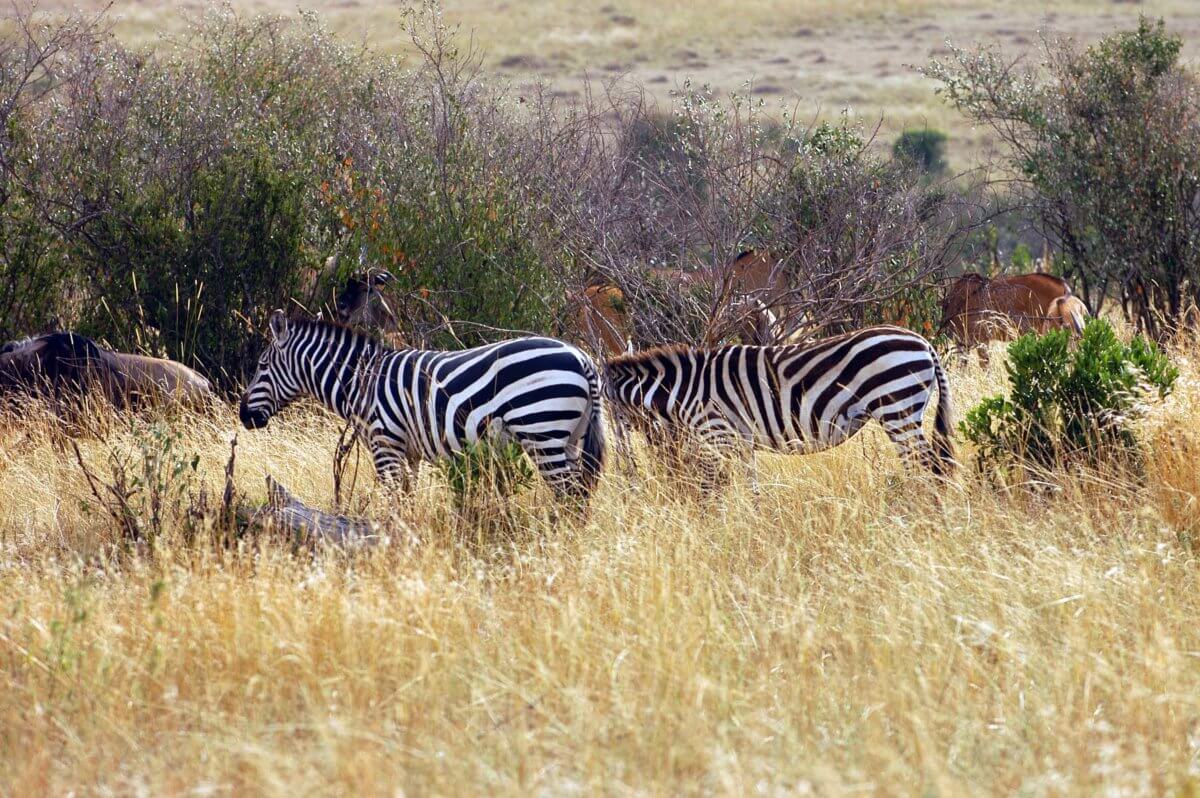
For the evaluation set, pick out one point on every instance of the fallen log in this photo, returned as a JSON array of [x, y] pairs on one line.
[[308, 526]]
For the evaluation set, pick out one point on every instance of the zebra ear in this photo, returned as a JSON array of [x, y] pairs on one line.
[[279, 326]]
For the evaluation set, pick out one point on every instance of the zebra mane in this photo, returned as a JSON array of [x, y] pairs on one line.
[[634, 359], [326, 324]]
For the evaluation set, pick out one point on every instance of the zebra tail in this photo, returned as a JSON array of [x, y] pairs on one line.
[[594, 448], [943, 426]]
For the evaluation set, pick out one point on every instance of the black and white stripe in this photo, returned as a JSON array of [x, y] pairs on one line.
[[795, 399], [413, 405]]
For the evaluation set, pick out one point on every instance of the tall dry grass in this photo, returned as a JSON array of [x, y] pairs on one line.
[[849, 630]]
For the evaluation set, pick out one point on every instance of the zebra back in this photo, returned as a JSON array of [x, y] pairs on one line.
[[800, 397]]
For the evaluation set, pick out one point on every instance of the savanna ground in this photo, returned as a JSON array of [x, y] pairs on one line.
[[815, 58], [849, 630]]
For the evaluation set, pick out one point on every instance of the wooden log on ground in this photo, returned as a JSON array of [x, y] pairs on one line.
[[285, 512]]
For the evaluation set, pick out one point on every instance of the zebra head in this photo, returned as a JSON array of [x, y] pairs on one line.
[[275, 382]]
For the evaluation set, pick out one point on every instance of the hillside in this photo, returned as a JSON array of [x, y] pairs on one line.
[[813, 57]]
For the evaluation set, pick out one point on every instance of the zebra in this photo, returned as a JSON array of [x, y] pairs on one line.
[[412, 405], [795, 399]]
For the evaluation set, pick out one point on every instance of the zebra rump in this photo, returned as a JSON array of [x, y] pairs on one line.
[[412, 405], [794, 399]]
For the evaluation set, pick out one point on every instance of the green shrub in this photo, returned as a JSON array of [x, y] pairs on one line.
[[187, 270], [1069, 406], [912, 304], [665, 145], [177, 195], [484, 478], [924, 149], [487, 468], [865, 237], [840, 141], [456, 234], [35, 277], [149, 488]]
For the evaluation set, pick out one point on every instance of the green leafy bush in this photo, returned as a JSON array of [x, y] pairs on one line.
[[187, 270], [487, 468], [167, 200], [150, 489], [925, 149], [1069, 406], [864, 235], [457, 237], [35, 278]]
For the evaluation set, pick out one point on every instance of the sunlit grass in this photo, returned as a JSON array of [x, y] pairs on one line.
[[850, 629]]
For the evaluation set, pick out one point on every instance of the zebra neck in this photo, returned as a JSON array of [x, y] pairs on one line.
[[339, 373]]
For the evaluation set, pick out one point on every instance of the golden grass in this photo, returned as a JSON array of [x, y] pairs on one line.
[[850, 630]]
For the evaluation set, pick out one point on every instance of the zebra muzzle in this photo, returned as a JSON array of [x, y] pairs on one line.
[[253, 418]]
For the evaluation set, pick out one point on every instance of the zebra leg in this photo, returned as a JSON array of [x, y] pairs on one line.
[[752, 473], [718, 443], [393, 466], [549, 456], [672, 446], [622, 437], [910, 441]]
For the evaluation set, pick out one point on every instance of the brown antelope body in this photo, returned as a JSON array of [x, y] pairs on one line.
[[746, 292], [977, 310], [603, 320]]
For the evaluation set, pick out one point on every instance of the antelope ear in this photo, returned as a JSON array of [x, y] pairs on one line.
[[279, 326], [382, 277]]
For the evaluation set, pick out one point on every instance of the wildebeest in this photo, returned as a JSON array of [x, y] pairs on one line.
[[361, 302], [977, 310], [62, 364]]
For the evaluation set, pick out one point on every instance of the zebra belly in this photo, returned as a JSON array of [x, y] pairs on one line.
[[840, 429]]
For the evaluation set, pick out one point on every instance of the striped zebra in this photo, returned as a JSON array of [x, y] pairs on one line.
[[412, 405], [795, 399]]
